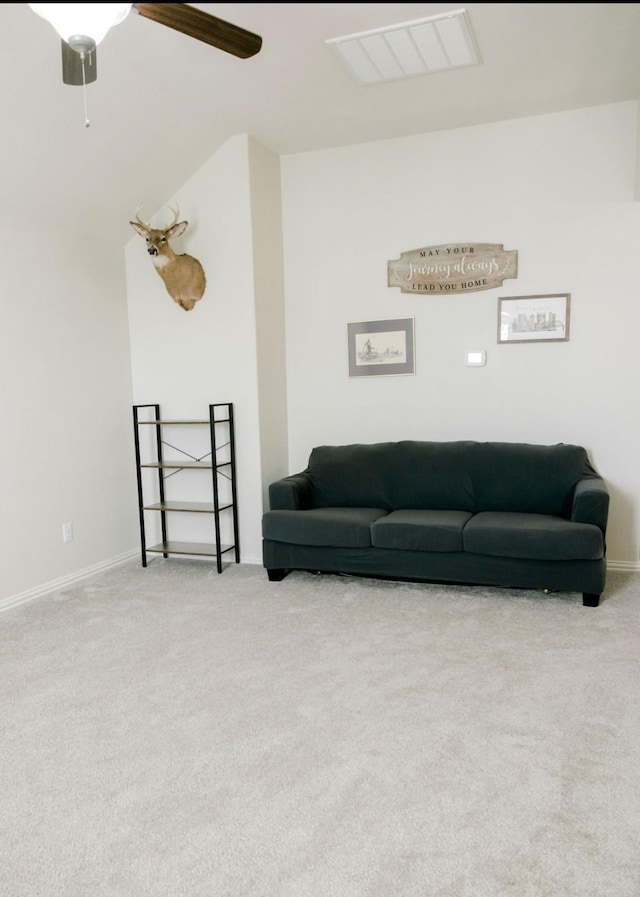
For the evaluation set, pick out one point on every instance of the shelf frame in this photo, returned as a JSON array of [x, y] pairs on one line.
[[226, 469]]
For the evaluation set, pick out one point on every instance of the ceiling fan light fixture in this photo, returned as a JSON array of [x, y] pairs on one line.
[[82, 25]]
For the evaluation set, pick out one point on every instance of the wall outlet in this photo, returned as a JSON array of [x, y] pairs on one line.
[[67, 532]]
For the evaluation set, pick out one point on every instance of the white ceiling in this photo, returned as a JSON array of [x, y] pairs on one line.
[[163, 102]]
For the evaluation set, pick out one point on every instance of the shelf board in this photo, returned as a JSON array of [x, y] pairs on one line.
[[179, 465], [202, 507], [156, 423], [207, 549], [190, 465]]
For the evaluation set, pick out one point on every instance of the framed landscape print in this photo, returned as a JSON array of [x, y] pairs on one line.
[[534, 319], [381, 348]]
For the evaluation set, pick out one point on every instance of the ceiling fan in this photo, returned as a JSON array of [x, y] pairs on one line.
[[81, 32]]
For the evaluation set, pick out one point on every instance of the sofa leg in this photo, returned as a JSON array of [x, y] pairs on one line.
[[589, 600], [277, 574]]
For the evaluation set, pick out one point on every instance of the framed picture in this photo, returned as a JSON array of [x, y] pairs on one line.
[[534, 319], [381, 348]]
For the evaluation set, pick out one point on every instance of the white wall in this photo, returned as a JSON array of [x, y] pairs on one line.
[[65, 396], [186, 360], [560, 190]]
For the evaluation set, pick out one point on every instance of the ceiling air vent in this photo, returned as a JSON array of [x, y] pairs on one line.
[[427, 45]]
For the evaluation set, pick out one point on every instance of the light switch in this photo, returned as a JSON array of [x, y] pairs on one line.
[[476, 358]]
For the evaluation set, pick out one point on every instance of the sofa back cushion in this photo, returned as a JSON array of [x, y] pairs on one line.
[[540, 479], [393, 475], [461, 476]]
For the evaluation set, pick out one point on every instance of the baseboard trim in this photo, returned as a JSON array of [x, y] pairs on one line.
[[624, 566], [64, 581]]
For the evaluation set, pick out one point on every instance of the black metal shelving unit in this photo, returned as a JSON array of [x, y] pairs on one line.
[[219, 459]]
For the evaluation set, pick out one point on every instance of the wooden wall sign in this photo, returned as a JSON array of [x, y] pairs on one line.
[[453, 268]]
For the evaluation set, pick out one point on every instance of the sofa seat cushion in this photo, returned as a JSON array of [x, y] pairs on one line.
[[533, 536], [328, 527], [417, 530]]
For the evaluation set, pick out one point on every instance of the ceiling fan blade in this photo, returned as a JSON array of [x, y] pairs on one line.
[[196, 23], [72, 66]]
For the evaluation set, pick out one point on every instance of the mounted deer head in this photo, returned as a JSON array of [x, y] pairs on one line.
[[183, 275]]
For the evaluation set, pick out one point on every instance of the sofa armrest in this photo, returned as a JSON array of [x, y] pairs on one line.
[[292, 493], [591, 502]]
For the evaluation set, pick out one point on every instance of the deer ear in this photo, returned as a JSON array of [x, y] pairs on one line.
[[138, 228], [177, 229]]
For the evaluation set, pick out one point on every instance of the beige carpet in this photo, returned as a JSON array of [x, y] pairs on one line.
[[170, 731]]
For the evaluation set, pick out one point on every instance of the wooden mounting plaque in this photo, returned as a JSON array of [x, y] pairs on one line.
[[453, 268]]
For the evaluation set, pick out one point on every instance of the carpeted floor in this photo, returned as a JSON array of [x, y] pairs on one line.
[[170, 731]]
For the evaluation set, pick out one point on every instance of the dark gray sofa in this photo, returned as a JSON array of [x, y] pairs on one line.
[[487, 513]]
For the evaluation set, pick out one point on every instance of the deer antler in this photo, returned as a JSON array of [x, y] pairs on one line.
[[175, 212], [139, 219]]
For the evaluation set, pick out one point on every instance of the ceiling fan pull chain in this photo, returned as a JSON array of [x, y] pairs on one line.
[[87, 123]]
